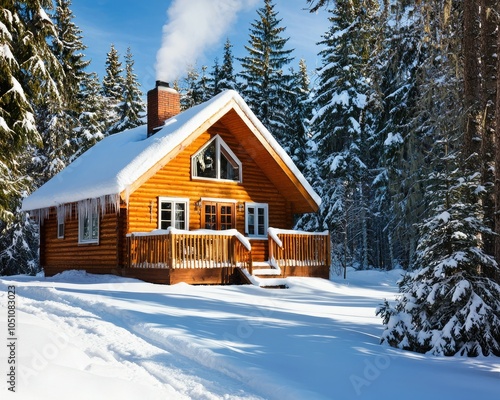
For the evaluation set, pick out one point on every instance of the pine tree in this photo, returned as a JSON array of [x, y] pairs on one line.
[[448, 305], [57, 117], [226, 78], [264, 80], [398, 185], [296, 129], [132, 108], [204, 85], [214, 77], [30, 74], [112, 89], [92, 117], [340, 129], [25, 30], [191, 93]]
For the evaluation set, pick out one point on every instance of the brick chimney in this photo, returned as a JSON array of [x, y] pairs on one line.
[[163, 102]]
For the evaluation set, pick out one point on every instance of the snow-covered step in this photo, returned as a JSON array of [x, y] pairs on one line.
[[265, 268], [265, 280]]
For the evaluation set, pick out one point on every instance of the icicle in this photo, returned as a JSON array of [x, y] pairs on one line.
[[61, 213], [41, 214], [109, 202]]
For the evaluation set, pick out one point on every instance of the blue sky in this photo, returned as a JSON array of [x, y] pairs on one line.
[[140, 25]]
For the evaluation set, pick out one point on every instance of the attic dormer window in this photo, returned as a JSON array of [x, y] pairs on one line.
[[215, 160]]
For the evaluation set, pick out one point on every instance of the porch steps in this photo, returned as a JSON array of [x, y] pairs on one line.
[[264, 275], [265, 268]]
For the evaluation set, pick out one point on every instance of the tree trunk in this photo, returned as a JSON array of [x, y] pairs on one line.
[[471, 81], [488, 101], [497, 160]]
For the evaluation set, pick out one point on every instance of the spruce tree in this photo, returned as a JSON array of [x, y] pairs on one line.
[[448, 305], [31, 73], [296, 129], [191, 93], [399, 142], [132, 107], [214, 77], [340, 130], [226, 78], [57, 117], [204, 85], [112, 89], [264, 81], [26, 31], [91, 121]]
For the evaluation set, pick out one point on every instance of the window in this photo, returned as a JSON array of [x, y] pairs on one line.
[[215, 160], [88, 227], [60, 230], [218, 215], [60, 223], [256, 219], [173, 212]]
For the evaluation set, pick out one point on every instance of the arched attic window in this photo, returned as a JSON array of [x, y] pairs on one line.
[[215, 160]]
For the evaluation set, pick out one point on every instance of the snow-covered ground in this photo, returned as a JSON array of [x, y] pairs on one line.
[[81, 336]]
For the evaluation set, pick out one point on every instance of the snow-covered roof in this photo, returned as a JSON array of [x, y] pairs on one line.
[[113, 165]]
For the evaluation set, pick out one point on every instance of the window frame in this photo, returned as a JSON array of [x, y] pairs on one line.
[[218, 205], [91, 216], [174, 201], [60, 229], [256, 207], [220, 148]]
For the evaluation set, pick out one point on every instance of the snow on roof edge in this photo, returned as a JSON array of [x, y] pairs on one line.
[[276, 147]]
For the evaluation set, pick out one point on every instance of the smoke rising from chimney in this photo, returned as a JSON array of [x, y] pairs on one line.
[[192, 27]]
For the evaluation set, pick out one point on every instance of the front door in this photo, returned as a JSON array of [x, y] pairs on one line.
[[218, 215]]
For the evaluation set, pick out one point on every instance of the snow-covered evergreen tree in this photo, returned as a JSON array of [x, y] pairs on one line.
[[57, 116], [226, 78], [31, 73], [340, 129], [449, 305], [205, 85], [19, 246], [112, 89], [132, 108], [264, 80], [91, 120], [191, 93], [398, 144], [296, 129]]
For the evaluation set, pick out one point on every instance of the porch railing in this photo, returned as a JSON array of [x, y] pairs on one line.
[[210, 249], [293, 248], [188, 249]]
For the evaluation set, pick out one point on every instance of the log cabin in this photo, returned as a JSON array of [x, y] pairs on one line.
[[203, 196]]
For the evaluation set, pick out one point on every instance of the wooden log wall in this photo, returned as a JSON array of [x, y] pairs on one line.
[[66, 253]]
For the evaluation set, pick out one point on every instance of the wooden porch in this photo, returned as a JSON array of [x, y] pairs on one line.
[[218, 257]]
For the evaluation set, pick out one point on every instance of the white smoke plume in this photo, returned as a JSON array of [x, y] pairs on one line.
[[192, 27]]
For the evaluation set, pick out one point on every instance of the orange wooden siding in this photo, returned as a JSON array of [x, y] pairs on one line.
[[63, 254], [174, 180]]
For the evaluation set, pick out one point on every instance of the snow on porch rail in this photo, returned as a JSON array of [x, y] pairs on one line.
[[174, 248], [297, 248]]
